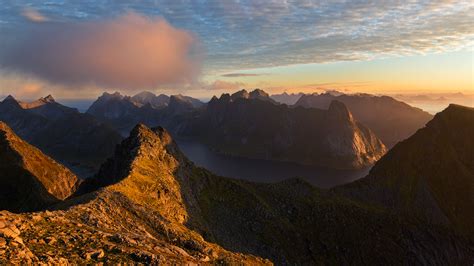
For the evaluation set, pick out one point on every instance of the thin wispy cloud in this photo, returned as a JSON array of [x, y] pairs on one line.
[[238, 75], [33, 15]]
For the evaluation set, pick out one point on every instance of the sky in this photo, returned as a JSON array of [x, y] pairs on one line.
[[77, 49]]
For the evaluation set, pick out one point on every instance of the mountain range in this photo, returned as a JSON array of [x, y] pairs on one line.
[[124, 112], [78, 140], [252, 125], [390, 119], [287, 98], [256, 127], [149, 204]]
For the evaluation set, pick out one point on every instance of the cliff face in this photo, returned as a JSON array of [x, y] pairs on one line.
[[29, 180], [391, 120], [260, 129], [430, 173]]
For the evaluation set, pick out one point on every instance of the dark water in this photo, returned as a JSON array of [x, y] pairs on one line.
[[265, 171]]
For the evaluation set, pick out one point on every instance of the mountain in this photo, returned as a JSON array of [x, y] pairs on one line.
[[150, 98], [149, 204], [72, 138], [255, 94], [30, 180], [391, 120], [288, 99], [254, 128], [431, 173], [124, 112]]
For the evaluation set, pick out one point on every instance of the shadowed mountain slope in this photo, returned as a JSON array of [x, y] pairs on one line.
[[431, 173], [391, 120], [30, 180]]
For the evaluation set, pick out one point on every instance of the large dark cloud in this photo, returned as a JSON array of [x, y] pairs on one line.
[[130, 51]]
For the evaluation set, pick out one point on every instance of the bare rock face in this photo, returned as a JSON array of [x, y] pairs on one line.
[[29, 179]]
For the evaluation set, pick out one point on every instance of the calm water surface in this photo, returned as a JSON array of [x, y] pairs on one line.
[[265, 171]]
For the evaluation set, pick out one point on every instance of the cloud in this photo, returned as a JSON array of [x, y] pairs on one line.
[[130, 51], [225, 85], [237, 75], [33, 15], [262, 33]]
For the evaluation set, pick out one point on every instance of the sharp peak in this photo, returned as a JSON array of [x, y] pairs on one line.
[[9, 97], [47, 99]]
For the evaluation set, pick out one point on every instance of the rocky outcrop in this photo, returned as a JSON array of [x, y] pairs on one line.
[[30, 180], [391, 120]]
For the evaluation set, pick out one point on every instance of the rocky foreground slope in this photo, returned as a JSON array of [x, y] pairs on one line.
[[30, 180], [149, 204]]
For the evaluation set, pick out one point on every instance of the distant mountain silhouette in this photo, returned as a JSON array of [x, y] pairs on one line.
[[75, 139], [391, 120], [30, 180], [286, 98]]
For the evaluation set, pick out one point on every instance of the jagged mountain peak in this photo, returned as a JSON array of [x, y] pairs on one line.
[[40, 102], [115, 95], [11, 101], [9, 98], [48, 99], [240, 94]]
